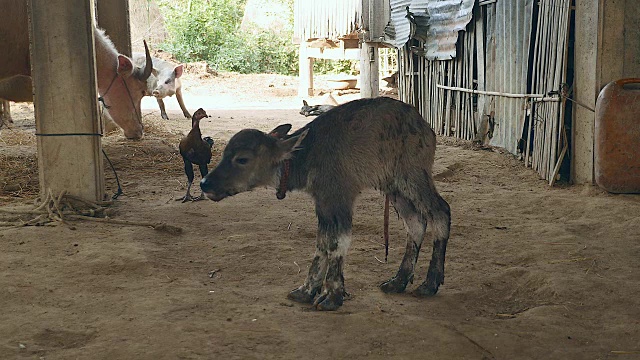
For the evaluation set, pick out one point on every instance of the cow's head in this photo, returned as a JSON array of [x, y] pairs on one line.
[[250, 159], [124, 93]]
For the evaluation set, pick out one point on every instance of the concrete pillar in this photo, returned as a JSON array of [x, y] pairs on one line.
[[305, 65], [369, 65], [113, 17], [65, 97]]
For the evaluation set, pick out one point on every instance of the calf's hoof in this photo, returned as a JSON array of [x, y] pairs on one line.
[[301, 295], [431, 285], [329, 302], [426, 290], [395, 285]]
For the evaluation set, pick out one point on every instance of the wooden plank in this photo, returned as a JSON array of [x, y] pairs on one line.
[[65, 97], [333, 54], [113, 17]]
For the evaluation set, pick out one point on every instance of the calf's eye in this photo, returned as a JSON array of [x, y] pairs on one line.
[[242, 161]]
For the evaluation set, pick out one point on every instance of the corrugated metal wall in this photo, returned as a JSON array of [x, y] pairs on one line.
[[447, 17], [508, 39], [499, 90]]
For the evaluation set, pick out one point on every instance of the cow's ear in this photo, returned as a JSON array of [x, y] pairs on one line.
[[287, 147], [178, 70], [281, 131], [125, 66]]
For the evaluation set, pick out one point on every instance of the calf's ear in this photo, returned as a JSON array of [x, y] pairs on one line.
[[281, 131], [304, 102], [287, 147]]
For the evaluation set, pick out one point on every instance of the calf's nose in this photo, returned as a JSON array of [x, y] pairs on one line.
[[205, 185]]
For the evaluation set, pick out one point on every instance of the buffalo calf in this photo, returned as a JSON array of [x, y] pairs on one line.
[[376, 143]]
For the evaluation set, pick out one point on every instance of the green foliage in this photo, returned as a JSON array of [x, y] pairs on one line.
[[199, 28], [258, 52], [209, 30], [324, 66]]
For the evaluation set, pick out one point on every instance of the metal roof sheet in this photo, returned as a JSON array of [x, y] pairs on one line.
[[442, 19]]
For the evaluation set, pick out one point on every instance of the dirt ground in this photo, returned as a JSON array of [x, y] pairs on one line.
[[532, 272]]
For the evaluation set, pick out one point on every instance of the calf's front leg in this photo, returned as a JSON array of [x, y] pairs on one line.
[[312, 286], [325, 277]]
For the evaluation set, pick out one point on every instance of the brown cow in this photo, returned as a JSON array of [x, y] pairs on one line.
[[120, 82], [368, 143]]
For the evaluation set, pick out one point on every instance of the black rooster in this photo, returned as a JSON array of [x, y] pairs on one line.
[[195, 150]]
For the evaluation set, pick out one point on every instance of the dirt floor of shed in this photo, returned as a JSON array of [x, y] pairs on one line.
[[532, 272]]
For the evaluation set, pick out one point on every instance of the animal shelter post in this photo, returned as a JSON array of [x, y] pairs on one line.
[[65, 97]]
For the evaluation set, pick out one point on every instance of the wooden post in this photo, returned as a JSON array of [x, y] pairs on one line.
[[113, 17], [305, 88], [369, 63], [65, 97]]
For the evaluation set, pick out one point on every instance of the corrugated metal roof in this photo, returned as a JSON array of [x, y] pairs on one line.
[[329, 19], [442, 19]]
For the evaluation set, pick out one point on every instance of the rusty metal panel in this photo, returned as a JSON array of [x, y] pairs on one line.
[[329, 19], [507, 63]]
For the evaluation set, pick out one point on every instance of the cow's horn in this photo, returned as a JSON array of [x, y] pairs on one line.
[[148, 66]]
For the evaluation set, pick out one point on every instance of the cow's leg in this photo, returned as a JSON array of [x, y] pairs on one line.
[[415, 224], [313, 284], [185, 112], [5, 113], [440, 218], [163, 111]]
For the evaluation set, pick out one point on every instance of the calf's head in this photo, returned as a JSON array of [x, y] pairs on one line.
[[250, 159]]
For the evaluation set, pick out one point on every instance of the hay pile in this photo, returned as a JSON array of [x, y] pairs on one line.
[[18, 165]]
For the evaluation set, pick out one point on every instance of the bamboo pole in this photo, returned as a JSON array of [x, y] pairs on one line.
[[500, 94], [458, 65]]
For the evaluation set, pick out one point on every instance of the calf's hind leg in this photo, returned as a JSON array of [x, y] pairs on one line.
[[416, 226], [440, 218]]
